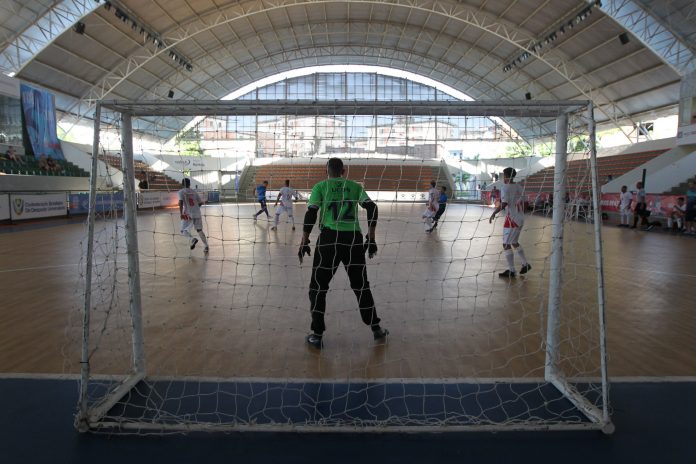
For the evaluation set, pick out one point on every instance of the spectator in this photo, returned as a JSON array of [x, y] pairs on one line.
[[641, 210], [43, 163], [690, 215], [52, 165], [625, 200], [677, 215], [12, 155], [143, 184], [494, 196]]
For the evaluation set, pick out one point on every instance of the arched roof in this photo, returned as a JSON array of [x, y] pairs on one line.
[[468, 45]]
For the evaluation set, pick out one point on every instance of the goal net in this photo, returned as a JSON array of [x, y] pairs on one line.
[[175, 335]]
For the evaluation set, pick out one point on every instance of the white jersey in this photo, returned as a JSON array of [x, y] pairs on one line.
[[190, 201], [679, 209], [433, 195], [286, 196], [514, 211], [625, 199]]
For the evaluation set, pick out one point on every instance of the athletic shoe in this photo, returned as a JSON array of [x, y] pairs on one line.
[[273, 228], [379, 333], [314, 340], [507, 273], [650, 227], [193, 243], [632, 227], [293, 227], [525, 268], [206, 249]]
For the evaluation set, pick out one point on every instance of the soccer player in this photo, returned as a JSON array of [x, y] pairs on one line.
[[641, 210], [512, 201], [190, 212], [335, 201], [441, 209], [431, 206], [261, 197], [285, 196], [625, 200]]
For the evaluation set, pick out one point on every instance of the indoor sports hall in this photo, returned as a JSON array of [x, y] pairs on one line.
[[506, 192]]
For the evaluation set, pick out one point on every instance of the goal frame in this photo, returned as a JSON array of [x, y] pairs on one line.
[[89, 416]]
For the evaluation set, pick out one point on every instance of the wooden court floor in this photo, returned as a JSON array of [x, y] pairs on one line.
[[242, 311]]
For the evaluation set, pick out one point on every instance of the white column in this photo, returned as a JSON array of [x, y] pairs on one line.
[[556, 271], [131, 206], [82, 419]]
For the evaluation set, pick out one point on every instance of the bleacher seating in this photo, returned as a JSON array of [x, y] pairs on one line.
[[156, 179], [578, 171], [385, 177], [31, 168]]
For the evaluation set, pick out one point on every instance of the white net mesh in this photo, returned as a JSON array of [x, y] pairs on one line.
[[224, 331]]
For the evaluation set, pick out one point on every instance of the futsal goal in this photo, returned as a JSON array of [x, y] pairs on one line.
[[174, 339]]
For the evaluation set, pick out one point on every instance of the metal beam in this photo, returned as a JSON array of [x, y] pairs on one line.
[[652, 33], [464, 14], [58, 19], [541, 109]]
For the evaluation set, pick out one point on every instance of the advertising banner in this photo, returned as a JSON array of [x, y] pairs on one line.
[[79, 202], [39, 109], [658, 205], [37, 206], [4, 207], [149, 200]]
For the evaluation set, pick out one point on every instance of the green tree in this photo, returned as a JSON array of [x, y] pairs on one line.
[[189, 142]]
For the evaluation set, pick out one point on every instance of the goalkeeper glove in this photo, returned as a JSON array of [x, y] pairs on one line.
[[370, 246], [304, 249]]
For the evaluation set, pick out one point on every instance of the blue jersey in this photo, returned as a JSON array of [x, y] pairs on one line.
[[443, 198], [261, 192]]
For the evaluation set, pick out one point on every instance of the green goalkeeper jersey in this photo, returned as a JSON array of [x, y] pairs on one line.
[[338, 199]]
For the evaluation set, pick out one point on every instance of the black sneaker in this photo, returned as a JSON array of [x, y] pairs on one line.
[[380, 333], [507, 273], [193, 243], [314, 340], [525, 268]]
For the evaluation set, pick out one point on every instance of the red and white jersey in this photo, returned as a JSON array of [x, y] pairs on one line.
[[190, 200], [625, 199], [286, 196], [514, 212]]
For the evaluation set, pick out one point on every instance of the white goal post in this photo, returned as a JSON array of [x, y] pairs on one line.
[[559, 317]]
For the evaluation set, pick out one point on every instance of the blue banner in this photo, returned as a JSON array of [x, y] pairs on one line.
[[39, 109], [79, 202]]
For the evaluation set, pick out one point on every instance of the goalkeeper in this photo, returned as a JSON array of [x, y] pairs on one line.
[[335, 201]]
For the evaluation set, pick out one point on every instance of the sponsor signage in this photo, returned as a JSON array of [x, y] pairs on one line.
[[4, 207], [686, 135], [149, 200], [79, 202], [37, 206]]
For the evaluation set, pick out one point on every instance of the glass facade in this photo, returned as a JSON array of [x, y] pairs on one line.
[[305, 136], [10, 121]]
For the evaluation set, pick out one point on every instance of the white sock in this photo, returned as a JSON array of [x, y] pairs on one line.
[[275, 223], [292, 218], [510, 256], [204, 239], [520, 253]]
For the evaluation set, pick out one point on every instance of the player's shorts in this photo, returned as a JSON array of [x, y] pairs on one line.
[[193, 222], [624, 210], [511, 235], [284, 209]]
